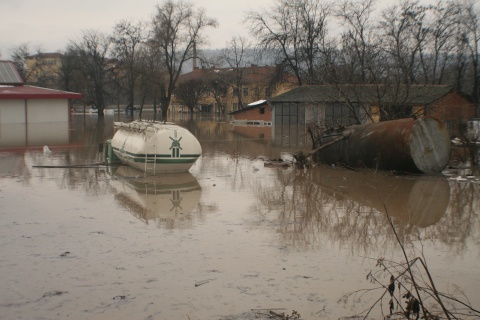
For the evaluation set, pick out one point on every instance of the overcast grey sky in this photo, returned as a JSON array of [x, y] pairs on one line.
[[51, 23]]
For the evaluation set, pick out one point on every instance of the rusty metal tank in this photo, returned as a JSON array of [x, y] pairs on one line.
[[413, 145]]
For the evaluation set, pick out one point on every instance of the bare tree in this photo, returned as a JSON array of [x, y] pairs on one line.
[[297, 30], [20, 55], [152, 73], [460, 60], [92, 51], [235, 56], [190, 92], [443, 28], [404, 38], [218, 88], [68, 72], [470, 18], [360, 47], [127, 39], [177, 26]]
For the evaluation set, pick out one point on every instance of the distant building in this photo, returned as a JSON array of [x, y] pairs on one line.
[[25, 104], [228, 89], [338, 105], [43, 69]]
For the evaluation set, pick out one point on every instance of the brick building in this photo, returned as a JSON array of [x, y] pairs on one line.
[[257, 113]]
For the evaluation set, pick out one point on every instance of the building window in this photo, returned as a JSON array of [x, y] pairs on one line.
[[339, 114], [262, 110], [289, 114], [245, 91], [257, 92]]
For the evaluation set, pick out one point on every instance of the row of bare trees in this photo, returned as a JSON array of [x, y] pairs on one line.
[[316, 41], [138, 60], [352, 42]]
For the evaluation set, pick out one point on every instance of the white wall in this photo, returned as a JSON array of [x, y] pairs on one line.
[[47, 110], [12, 111], [38, 110]]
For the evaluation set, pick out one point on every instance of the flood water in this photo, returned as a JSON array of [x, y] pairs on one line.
[[231, 239]]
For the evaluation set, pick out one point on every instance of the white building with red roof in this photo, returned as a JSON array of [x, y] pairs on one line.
[[25, 104]]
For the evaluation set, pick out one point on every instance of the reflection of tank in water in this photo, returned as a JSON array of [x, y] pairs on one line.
[[415, 200], [161, 197]]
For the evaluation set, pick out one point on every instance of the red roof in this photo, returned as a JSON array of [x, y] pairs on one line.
[[252, 74], [30, 92]]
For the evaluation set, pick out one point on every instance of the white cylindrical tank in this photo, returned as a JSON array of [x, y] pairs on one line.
[[155, 147]]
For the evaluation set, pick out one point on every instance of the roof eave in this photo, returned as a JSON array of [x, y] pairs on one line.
[[40, 96]]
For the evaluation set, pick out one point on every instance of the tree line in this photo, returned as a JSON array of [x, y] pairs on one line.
[[315, 41]]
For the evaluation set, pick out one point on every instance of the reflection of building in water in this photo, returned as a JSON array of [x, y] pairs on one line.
[[161, 198], [277, 138], [11, 164], [289, 135], [413, 200], [254, 132], [348, 207], [34, 134]]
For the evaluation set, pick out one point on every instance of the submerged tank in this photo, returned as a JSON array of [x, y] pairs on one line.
[[413, 145], [155, 147]]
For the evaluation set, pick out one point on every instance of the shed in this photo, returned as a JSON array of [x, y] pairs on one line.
[[25, 104], [255, 113], [338, 105]]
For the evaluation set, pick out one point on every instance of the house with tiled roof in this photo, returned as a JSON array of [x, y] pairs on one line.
[[330, 106], [25, 104]]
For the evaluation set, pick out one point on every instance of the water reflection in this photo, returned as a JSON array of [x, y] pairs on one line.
[[349, 208], [165, 199], [345, 206], [34, 134], [413, 200], [289, 136], [254, 132], [242, 219]]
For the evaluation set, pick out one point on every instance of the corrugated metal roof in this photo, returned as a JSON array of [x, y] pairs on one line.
[[414, 94], [9, 74], [30, 92]]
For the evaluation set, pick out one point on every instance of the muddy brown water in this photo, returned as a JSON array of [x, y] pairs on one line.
[[231, 239]]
